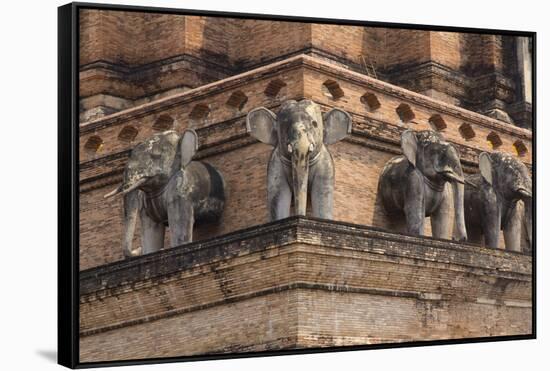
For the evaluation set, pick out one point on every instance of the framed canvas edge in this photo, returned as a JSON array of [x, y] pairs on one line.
[[68, 190], [67, 229]]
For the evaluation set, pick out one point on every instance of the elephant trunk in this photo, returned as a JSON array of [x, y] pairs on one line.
[[458, 194], [450, 169], [300, 175], [131, 208]]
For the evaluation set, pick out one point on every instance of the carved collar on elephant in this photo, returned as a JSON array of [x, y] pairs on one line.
[[438, 187], [311, 161], [159, 192]]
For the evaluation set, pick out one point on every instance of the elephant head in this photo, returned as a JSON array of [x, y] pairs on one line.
[[508, 176], [151, 163], [511, 181], [439, 162], [299, 133]]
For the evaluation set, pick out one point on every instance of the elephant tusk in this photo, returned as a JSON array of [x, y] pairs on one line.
[[451, 176], [123, 190], [114, 192], [525, 193]]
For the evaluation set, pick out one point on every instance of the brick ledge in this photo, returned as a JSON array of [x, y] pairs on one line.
[[297, 229]]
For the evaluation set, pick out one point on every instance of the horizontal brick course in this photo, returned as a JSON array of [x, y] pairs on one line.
[[327, 278]]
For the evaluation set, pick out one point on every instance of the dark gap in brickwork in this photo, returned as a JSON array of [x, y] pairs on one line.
[[520, 147], [494, 140], [371, 101], [405, 113], [334, 89], [466, 131], [437, 122], [163, 123], [128, 133], [237, 100], [274, 87], [93, 144]]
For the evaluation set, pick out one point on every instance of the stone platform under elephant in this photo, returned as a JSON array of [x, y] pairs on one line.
[[301, 283]]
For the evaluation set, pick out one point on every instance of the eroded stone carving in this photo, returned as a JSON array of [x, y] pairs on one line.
[[166, 188], [300, 162], [427, 180], [499, 198]]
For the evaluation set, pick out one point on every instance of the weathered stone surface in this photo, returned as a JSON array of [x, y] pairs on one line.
[[164, 188], [500, 198], [300, 167], [427, 180]]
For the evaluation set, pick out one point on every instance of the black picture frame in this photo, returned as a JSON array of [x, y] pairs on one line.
[[68, 191]]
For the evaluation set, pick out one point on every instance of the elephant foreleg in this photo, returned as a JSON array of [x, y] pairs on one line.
[[513, 229], [180, 220], [442, 219], [152, 234], [490, 220], [279, 194], [131, 207], [322, 190], [414, 206]]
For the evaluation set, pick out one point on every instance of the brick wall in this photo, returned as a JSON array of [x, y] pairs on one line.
[[443, 65], [301, 283], [446, 48], [256, 42]]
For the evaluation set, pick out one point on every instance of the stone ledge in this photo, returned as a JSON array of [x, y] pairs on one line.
[[299, 283], [301, 230]]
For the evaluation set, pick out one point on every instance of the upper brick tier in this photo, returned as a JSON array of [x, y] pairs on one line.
[[129, 58], [217, 111], [380, 110]]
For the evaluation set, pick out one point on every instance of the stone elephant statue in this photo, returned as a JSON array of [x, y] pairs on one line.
[[499, 198], [427, 180], [300, 162], [166, 188]]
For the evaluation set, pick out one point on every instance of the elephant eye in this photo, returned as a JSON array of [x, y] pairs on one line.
[[314, 123]]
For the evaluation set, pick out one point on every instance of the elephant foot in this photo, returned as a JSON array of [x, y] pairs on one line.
[[132, 253]]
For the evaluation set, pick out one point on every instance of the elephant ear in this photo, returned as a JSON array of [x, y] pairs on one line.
[[486, 167], [261, 124], [189, 145], [409, 145], [336, 125]]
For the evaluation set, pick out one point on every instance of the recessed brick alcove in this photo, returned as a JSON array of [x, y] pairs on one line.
[[299, 283]]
